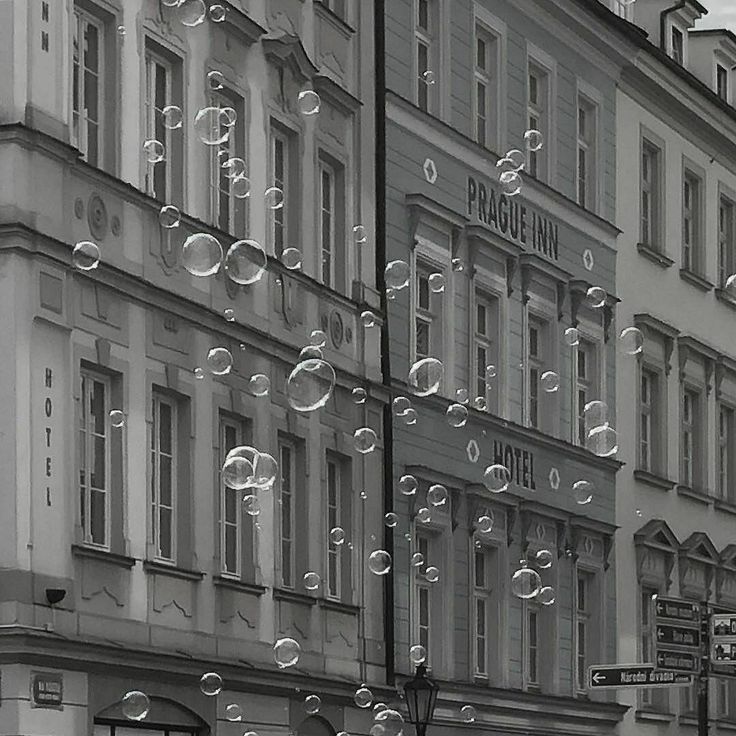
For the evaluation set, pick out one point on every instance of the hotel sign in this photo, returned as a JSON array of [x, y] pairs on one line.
[[519, 462], [510, 218]]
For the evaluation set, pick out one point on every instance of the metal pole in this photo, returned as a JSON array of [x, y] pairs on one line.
[[704, 666]]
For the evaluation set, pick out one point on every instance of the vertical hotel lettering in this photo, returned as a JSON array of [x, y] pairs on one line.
[[507, 216], [48, 409]]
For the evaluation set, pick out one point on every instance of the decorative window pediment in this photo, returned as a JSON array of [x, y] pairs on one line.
[[427, 211], [692, 350], [659, 331], [657, 548], [698, 560], [287, 50]]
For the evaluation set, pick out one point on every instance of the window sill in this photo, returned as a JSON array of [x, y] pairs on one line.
[[240, 585], [654, 480], [161, 568], [688, 719], [281, 594], [698, 281], [723, 296], [727, 507], [654, 715], [654, 255], [694, 495], [339, 606], [102, 555], [726, 724]]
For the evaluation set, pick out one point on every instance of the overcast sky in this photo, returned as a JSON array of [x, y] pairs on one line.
[[721, 14]]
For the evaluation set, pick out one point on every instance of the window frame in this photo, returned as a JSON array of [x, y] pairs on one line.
[[692, 218], [482, 593], [677, 44], [426, 37], [325, 168], [647, 416], [333, 551], [534, 363], [158, 398], [152, 113], [423, 592], [591, 384], [530, 648], [690, 435], [291, 446], [587, 144], [725, 449], [726, 242], [284, 136], [486, 341], [487, 77], [430, 258], [651, 234], [583, 622], [226, 422], [722, 90]]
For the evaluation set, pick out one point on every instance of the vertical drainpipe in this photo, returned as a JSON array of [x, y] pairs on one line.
[[380, 239]]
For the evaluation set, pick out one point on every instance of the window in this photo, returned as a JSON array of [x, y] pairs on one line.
[[647, 420], [334, 519], [327, 222], [690, 222], [481, 610], [163, 477], [586, 171], [427, 313], [690, 421], [485, 339], [531, 645], [336, 6], [582, 631], [94, 459], [485, 86], [228, 211], [650, 194], [678, 45], [287, 523], [722, 82], [282, 162], [423, 615], [726, 260], [725, 454], [537, 117], [585, 384], [158, 96], [534, 369], [231, 515], [88, 80], [425, 52]]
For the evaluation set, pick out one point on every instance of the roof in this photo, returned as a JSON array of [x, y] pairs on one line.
[[715, 32]]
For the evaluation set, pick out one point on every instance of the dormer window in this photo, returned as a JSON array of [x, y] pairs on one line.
[[678, 45], [722, 82]]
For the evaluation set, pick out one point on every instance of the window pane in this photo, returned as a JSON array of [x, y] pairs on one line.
[[98, 513]]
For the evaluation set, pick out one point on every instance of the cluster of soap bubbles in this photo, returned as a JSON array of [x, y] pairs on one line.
[[510, 166], [245, 467]]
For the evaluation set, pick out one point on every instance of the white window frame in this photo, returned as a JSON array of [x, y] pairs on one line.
[[650, 184], [544, 112], [583, 620], [589, 100], [719, 65], [87, 436], [692, 218], [647, 413], [682, 34], [429, 38], [334, 519], [724, 448], [482, 594], [156, 454], [226, 423], [422, 590], [484, 341], [151, 59], [218, 99], [726, 238], [279, 216], [590, 384], [532, 363], [290, 492], [81, 17], [689, 425], [326, 169], [530, 639]]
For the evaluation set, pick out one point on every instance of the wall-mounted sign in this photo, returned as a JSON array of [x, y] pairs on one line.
[[47, 690], [507, 216], [519, 462]]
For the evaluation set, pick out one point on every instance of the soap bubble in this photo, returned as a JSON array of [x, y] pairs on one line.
[[86, 255], [219, 361], [397, 275], [390, 519], [201, 254], [240, 187], [484, 524], [417, 654], [117, 418], [317, 338], [210, 126], [308, 102], [424, 515], [312, 704], [229, 315], [583, 492], [549, 381], [251, 505], [410, 417], [425, 376], [546, 595], [337, 535], [400, 405], [603, 441], [467, 714], [310, 385], [291, 258], [632, 340], [172, 117], [233, 167], [525, 583], [192, 12], [365, 440], [379, 562], [154, 150], [274, 198], [388, 722], [596, 297], [217, 13], [437, 495], [286, 652], [408, 485], [210, 683], [363, 697], [457, 265], [198, 373], [456, 415], [237, 472], [360, 234], [233, 712], [428, 77], [544, 559], [437, 282], [135, 705], [595, 414], [432, 574], [510, 183], [169, 216], [534, 139], [496, 478], [359, 395], [310, 351], [369, 319], [572, 336], [417, 559], [259, 384]]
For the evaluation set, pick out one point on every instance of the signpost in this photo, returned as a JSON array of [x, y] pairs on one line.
[[676, 609], [676, 634], [617, 676], [671, 659]]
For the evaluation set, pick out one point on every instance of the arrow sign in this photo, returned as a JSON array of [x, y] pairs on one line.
[[668, 659], [617, 676], [680, 636], [676, 609]]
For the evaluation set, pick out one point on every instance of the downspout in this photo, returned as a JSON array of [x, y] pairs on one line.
[[663, 22], [380, 209]]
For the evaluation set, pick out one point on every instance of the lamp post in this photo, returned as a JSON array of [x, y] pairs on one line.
[[421, 698]]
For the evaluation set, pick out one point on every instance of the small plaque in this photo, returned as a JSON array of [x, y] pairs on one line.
[[47, 690]]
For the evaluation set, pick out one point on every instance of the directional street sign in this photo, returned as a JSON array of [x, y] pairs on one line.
[[678, 635], [670, 659], [615, 676], [676, 609]]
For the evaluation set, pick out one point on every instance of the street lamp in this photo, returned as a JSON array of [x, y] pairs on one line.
[[421, 697]]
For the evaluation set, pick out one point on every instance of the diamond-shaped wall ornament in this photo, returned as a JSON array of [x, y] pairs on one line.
[[588, 260], [554, 478], [430, 170], [473, 451]]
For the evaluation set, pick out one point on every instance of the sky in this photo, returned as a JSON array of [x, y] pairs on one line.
[[721, 14]]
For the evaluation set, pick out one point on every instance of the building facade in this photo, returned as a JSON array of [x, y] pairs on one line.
[[499, 293], [125, 562], [675, 200]]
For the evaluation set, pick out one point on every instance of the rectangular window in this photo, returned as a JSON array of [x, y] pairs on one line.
[[485, 86], [163, 476], [722, 82], [678, 45], [428, 307], [231, 514], [689, 422], [327, 222], [538, 117], [485, 342], [159, 94], [228, 204], [88, 79], [647, 402], [725, 454], [531, 642], [334, 519], [586, 384], [94, 459], [582, 630], [482, 562], [425, 52], [423, 615], [691, 195], [726, 259], [650, 194], [287, 522], [282, 161], [586, 169], [535, 367]]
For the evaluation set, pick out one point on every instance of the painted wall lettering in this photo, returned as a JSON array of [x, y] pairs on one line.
[[48, 410], [520, 463]]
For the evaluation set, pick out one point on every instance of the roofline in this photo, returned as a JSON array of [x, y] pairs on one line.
[[714, 32]]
